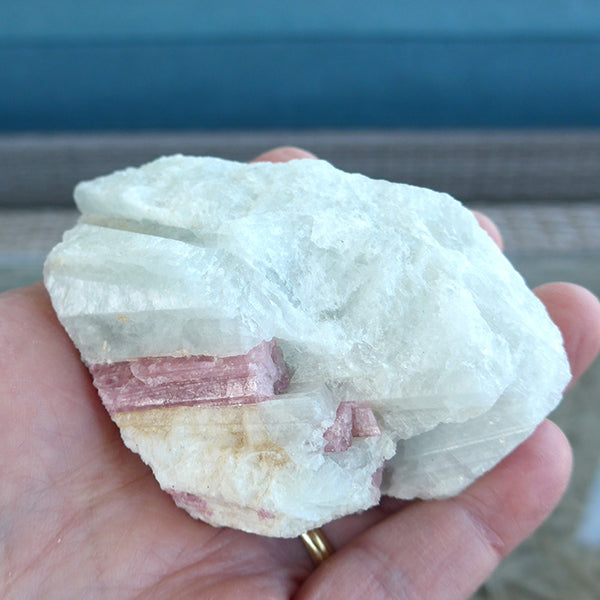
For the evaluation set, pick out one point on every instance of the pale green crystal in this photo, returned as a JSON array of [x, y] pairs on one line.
[[374, 291]]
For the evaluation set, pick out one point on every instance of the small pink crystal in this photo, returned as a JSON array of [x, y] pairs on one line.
[[352, 420]]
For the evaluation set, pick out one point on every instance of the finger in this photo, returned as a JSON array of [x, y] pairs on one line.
[[36, 349], [446, 549], [283, 154], [490, 228], [42, 369], [576, 311]]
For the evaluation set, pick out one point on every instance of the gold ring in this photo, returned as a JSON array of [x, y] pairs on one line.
[[318, 545]]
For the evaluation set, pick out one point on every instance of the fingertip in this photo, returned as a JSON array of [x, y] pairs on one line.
[[490, 228], [518, 495], [19, 302], [461, 539], [576, 312], [545, 461], [283, 154], [553, 441]]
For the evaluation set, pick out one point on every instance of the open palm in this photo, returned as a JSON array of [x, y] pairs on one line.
[[82, 517]]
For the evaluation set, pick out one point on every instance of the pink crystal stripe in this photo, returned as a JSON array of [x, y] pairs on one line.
[[191, 502], [188, 381], [200, 506]]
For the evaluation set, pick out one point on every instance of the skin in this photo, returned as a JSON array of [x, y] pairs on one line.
[[82, 517]]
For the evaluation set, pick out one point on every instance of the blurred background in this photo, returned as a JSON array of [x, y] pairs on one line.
[[496, 102]]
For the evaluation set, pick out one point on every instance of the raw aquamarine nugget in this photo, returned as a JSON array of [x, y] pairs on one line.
[[283, 343]]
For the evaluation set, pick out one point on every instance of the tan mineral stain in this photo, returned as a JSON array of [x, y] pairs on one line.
[[236, 431]]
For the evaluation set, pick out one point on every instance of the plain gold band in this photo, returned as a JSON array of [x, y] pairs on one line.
[[318, 545]]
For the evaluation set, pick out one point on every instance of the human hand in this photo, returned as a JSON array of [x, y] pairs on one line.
[[82, 517]]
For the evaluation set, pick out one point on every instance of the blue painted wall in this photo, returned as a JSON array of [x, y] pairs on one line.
[[234, 64]]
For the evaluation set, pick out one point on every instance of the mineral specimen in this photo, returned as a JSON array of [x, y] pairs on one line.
[[282, 343]]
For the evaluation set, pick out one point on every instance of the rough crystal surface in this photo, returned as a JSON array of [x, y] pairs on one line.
[[410, 342]]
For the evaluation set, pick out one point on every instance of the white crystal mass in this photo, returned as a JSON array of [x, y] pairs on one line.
[[375, 292]]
